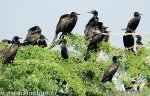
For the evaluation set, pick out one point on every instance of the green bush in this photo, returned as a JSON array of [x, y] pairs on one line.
[[38, 69]]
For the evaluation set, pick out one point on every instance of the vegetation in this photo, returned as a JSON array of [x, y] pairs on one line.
[[43, 70]]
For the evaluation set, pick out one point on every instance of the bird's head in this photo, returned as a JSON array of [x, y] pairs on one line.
[[115, 58], [75, 13], [93, 12], [16, 38], [137, 14], [138, 37]]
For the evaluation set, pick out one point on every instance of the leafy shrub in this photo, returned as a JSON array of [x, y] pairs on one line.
[[38, 69]]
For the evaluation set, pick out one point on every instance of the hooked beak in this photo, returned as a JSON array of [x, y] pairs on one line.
[[123, 29], [105, 27], [89, 12], [78, 14], [20, 38], [141, 14]]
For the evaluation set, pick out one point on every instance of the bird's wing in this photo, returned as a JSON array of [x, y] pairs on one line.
[[11, 51], [62, 22], [90, 29], [66, 22], [112, 70], [133, 23]]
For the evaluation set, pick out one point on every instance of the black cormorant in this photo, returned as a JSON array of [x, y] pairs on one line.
[[128, 41], [96, 39], [66, 24], [138, 41], [34, 30], [31, 39], [108, 75], [42, 41], [5, 41], [94, 44], [94, 18], [11, 52], [134, 22], [64, 50], [92, 25]]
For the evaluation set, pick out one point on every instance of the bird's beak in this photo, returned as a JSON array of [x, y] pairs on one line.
[[20, 38], [89, 12], [46, 39], [78, 14], [105, 27], [141, 14], [123, 29]]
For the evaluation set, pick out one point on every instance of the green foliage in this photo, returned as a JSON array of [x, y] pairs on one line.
[[38, 69]]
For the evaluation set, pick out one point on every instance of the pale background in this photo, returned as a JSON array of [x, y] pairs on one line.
[[17, 16]]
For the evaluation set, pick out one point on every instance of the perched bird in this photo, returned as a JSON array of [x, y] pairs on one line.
[[94, 18], [134, 22], [42, 41], [96, 39], [31, 39], [66, 24], [11, 52], [108, 75], [93, 45], [34, 30], [138, 41], [128, 41], [92, 25], [64, 50], [5, 41]]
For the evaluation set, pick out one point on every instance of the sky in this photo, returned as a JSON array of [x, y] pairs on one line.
[[17, 16]]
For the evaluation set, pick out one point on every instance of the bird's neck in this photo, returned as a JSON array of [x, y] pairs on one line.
[[137, 17], [95, 15], [72, 15]]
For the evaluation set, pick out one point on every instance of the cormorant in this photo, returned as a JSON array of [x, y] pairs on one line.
[[66, 24], [11, 52], [96, 39], [92, 25], [31, 39], [64, 50], [134, 22], [94, 44], [94, 18], [34, 30], [138, 41], [42, 41], [128, 41], [108, 75], [5, 41]]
